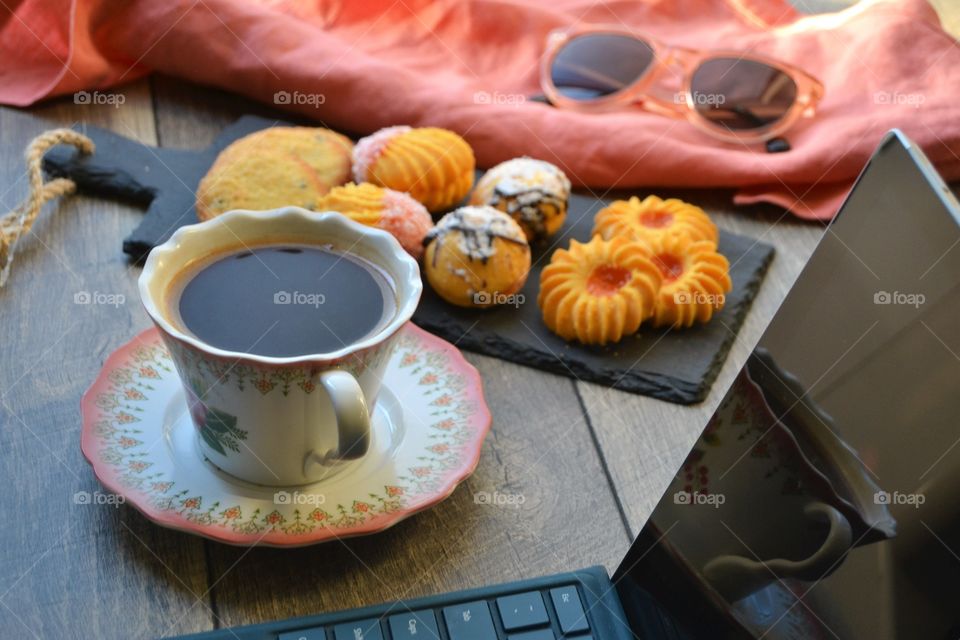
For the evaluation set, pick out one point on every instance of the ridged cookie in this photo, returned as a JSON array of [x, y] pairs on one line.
[[386, 209], [696, 279], [653, 218], [433, 165], [600, 291]]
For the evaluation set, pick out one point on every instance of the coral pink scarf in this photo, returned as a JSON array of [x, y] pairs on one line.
[[467, 65]]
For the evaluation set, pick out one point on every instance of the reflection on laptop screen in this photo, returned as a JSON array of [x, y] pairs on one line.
[[822, 500]]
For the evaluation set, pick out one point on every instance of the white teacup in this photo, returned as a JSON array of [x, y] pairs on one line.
[[279, 421]]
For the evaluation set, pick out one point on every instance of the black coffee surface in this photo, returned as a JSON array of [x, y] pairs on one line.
[[285, 301]]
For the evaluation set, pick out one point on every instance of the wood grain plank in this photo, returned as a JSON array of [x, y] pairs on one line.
[[540, 449], [71, 570], [190, 116]]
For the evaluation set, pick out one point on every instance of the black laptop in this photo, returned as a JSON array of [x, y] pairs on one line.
[[821, 499]]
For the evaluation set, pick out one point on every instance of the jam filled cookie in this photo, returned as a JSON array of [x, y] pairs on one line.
[[696, 280], [405, 218], [274, 168], [476, 257], [433, 165], [535, 194], [600, 291], [652, 218]]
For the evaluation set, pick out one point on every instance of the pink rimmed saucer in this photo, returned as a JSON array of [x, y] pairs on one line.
[[428, 428]]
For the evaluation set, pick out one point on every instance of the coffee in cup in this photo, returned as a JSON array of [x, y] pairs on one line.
[[280, 324], [282, 300]]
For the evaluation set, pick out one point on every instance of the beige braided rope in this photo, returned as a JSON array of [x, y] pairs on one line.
[[16, 223]]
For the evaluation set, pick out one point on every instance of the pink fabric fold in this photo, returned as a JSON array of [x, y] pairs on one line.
[[468, 65]]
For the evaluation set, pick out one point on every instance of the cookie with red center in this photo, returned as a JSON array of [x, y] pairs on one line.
[[653, 218], [600, 291], [695, 281]]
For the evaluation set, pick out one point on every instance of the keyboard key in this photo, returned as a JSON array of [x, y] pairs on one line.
[[570, 613], [368, 629], [316, 633], [469, 621], [419, 625], [522, 610], [539, 634]]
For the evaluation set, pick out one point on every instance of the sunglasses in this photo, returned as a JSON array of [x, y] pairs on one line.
[[729, 95]]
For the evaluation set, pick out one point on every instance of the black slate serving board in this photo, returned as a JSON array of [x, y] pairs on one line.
[[677, 366]]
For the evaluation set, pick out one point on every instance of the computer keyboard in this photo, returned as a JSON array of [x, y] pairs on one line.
[[579, 605], [520, 616]]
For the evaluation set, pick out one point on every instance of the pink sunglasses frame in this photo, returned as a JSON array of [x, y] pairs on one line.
[[809, 89]]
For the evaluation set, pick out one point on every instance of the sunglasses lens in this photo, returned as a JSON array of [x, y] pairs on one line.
[[740, 95], [593, 66]]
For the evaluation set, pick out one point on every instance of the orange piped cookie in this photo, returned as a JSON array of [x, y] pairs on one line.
[[600, 291], [653, 218], [433, 165], [405, 218], [696, 280], [273, 168]]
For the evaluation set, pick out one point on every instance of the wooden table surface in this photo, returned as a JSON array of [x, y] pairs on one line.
[[590, 462]]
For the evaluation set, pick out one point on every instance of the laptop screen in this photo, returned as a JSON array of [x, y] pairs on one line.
[[822, 500]]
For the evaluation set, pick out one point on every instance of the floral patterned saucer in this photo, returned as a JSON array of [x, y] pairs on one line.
[[428, 428]]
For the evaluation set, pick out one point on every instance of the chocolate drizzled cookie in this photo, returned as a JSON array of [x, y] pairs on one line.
[[478, 227], [467, 266], [533, 192]]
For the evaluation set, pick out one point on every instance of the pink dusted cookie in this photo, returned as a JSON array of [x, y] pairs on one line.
[[433, 165], [397, 213], [368, 149]]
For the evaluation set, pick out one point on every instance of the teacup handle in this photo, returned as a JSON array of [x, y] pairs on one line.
[[736, 577], [353, 418]]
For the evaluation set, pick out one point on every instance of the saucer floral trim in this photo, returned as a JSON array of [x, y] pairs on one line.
[[120, 445]]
